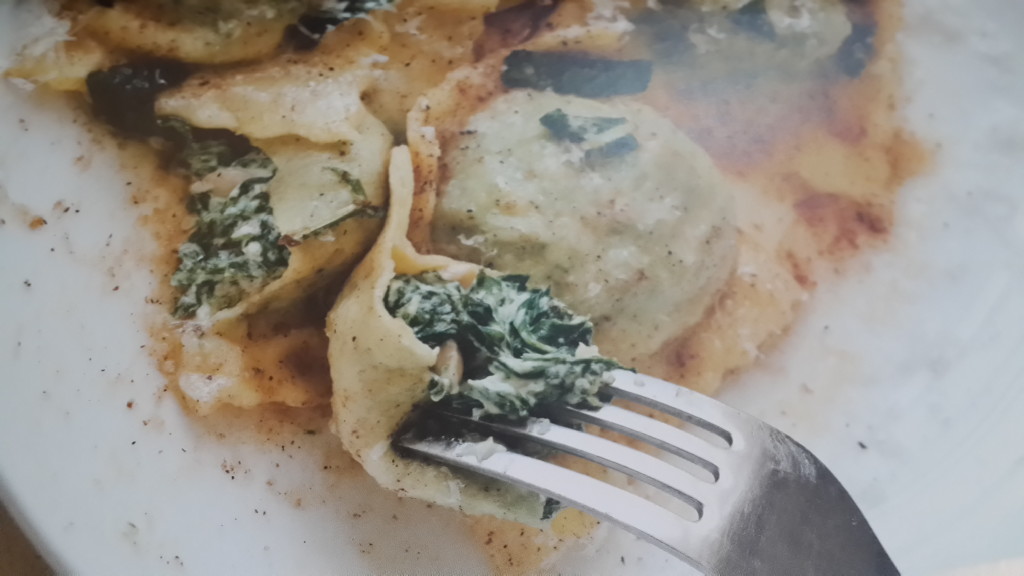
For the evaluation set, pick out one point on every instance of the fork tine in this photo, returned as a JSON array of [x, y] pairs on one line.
[[629, 511], [629, 461], [663, 436], [683, 403]]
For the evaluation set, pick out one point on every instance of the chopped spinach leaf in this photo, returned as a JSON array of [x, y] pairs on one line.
[[124, 95], [614, 149], [577, 74], [430, 306], [522, 349], [200, 152], [551, 507], [601, 138], [235, 248]]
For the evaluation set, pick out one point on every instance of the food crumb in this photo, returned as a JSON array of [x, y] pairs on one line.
[[130, 404], [37, 223]]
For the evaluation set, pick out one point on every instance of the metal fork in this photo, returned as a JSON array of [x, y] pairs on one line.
[[764, 504]]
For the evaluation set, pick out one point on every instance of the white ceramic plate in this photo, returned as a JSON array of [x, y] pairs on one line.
[[918, 354]]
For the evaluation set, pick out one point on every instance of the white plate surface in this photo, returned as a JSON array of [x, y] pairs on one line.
[[918, 353]]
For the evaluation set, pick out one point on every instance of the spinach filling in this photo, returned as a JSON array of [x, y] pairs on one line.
[[199, 152], [522, 350], [235, 248], [601, 138]]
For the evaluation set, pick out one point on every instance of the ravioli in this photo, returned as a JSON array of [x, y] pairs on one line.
[[214, 33], [308, 191], [91, 36], [737, 294], [327, 178], [641, 242], [386, 56], [381, 372]]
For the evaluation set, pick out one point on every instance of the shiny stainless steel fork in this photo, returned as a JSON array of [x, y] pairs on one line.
[[763, 503]]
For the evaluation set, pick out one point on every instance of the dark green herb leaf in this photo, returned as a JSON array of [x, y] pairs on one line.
[[577, 74], [592, 133], [577, 129], [432, 307], [124, 95], [614, 149], [551, 507], [544, 324], [520, 346]]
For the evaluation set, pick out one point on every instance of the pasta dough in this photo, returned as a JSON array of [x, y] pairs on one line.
[[227, 362], [306, 191], [641, 243], [381, 371]]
